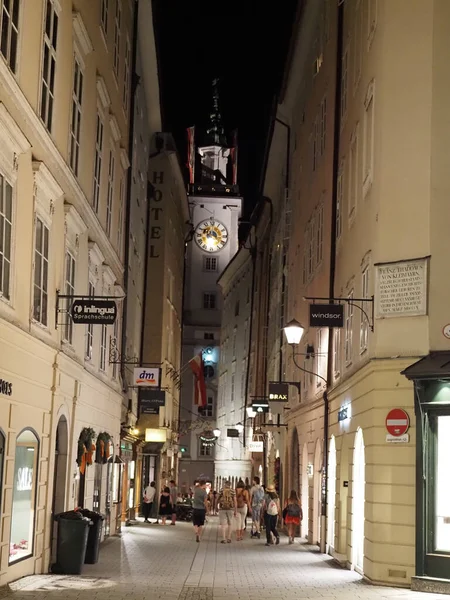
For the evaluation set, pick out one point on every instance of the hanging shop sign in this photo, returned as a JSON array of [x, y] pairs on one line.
[[208, 439], [232, 432], [260, 406], [397, 425], [93, 311], [326, 315], [256, 446], [279, 392], [343, 414], [149, 400], [156, 435], [5, 387], [146, 377]]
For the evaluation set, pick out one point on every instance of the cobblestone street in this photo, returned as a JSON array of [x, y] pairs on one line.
[[152, 562]]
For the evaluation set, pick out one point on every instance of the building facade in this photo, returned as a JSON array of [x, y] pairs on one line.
[[65, 105], [215, 209], [167, 225], [357, 465], [232, 455]]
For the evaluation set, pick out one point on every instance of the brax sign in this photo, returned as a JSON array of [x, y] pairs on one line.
[[5, 387], [94, 310], [279, 392], [326, 315]]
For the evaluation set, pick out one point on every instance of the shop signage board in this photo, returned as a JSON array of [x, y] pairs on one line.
[[146, 377], [6, 387], [149, 400], [279, 392], [326, 315], [397, 425], [231, 432], [93, 311], [260, 407], [256, 446]]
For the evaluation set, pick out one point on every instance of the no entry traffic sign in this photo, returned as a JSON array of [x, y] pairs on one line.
[[397, 422]]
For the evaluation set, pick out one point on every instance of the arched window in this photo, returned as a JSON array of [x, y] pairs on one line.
[[24, 496]]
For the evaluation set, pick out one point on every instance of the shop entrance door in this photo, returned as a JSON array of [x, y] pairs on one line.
[[331, 494], [358, 501], [437, 558]]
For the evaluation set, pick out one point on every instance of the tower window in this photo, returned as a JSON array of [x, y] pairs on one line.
[[209, 300], [208, 336], [209, 263]]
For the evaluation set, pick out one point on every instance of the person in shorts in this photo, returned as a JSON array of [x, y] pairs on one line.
[[199, 508], [226, 502]]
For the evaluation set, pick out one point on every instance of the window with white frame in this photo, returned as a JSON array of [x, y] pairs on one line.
[[69, 290], [233, 386], [49, 64], [6, 223], [40, 279], [358, 54], [353, 178], [210, 263], [75, 122], [205, 448], [104, 17], [323, 125], [344, 84], [10, 32], [98, 163], [337, 352], [364, 329], [90, 328], [120, 217], [209, 300], [339, 200], [103, 346], [117, 34], [126, 76], [348, 343], [306, 375], [208, 410], [234, 341], [110, 195], [369, 135], [311, 241]]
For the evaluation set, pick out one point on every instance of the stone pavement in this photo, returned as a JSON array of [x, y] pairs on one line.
[[152, 562]]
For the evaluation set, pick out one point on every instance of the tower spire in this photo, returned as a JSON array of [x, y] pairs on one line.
[[216, 132]]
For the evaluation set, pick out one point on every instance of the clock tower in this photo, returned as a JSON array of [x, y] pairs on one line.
[[215, 208]]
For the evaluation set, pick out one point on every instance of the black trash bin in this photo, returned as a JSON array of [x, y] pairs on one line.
[[95, 533], [73, 530]]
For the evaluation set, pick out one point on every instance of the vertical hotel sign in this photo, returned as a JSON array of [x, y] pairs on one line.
[[155, 196]]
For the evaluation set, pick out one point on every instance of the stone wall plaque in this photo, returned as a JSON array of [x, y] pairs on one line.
[[401, 289]]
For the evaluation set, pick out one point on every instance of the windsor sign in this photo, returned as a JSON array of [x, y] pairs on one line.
[[326, 315]]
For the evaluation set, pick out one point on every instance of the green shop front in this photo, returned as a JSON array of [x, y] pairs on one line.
[[431, 378]]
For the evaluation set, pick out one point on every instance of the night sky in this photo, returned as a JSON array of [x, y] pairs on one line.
[[244, 43]]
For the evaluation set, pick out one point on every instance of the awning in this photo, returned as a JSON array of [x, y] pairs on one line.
[[434, 366]]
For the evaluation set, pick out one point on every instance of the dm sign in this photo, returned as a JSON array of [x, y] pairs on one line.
[[93, 311], [146, 377], [326, 315], [279, 392]]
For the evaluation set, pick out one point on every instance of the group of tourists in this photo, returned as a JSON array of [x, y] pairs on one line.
[[234, 506]]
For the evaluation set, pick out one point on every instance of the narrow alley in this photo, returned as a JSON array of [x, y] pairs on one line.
[[153, 562]]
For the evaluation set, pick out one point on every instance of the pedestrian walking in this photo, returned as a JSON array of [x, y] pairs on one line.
[[199, 506], [256, 501], [214, 502], [226, 502], [173, 500], [165, 506], [149, 496], [271, 507], [292, 514], [243, 507]]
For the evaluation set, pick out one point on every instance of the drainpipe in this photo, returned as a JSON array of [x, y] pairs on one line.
[[126, 259], [253, 254], [336, 143]]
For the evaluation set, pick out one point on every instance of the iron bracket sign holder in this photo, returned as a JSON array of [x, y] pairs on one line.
[[296, 384], [356, 302], [71, 297]]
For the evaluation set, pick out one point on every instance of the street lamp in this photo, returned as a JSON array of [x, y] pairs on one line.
[[216, 432], [251, 414], [240, 427], [293, 332]]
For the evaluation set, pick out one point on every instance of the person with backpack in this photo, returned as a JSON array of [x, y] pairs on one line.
[[226, 502], [271, 507], [256, 502], [292, 514], [243, 506]]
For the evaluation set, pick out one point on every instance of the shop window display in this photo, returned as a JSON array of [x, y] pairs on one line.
[[24, 496]]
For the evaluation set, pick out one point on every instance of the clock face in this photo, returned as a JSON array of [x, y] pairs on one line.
[[211, 235]]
